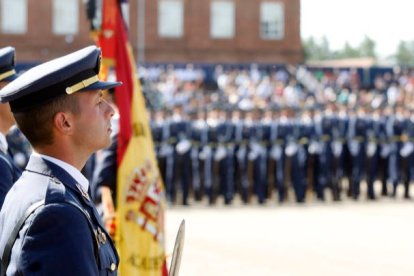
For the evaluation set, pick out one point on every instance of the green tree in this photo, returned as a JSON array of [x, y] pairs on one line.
[[405, 53], [315, 50], [310, 48], [347, 52], [325, 49], [320, 50], [367, 48]]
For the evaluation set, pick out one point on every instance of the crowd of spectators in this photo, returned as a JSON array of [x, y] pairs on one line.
[[252, 86]]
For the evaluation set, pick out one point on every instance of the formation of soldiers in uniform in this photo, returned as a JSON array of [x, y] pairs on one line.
[[261, 154], [279, 152]]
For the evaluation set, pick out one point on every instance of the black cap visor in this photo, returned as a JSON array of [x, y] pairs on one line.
[[101, 85]]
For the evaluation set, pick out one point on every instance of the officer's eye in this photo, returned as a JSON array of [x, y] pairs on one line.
[[100, 99]]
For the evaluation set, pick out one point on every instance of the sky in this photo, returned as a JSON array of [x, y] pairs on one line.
[[387, 22]]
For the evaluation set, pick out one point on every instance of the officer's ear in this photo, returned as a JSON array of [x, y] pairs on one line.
[[63, 122]]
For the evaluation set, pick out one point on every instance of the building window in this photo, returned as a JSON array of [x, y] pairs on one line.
[[222, 17], [14, 16], [272, 20], [65, 17], [170, 18]]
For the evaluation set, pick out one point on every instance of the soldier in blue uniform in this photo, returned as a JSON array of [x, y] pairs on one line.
[[324, 128], [395, 129], [246, 160], [257, 157], [199, 132], [242, 179], [157, 127], [357, 138], [313, 148], [166, 152], [212, 160], [9, 172], [340, 146], [48, 224], [408, 152], [304, 132], [385, 144], [284, 133], [291, 163], [19, 147], [375, 137], [225, 154], [268, 127], [180, 129]]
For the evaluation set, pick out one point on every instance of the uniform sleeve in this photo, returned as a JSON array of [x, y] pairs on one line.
[[6, 179], [59, 242]]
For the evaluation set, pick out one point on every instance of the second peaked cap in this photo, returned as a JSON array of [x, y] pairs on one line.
[[75, 72]]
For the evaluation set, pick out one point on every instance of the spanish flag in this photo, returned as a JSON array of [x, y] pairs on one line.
[[140, 206]]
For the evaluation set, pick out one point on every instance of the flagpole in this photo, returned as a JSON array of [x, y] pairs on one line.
[[141, 31]]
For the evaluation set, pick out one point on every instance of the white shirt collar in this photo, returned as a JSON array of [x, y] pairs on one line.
[[3, 143], [75, 173]]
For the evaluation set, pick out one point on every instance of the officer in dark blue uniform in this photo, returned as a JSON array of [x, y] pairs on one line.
[[284, 132], [409, 152], [19, 147], [9, 172], [340, 147], [309, 122], [225, 154], [257, 156], [212, 159], [48, 223], [199, 139], [357, 136], [166, 154], [180, 128], [156, 124], [326, 156], [304, 132], [294, 157], [242, 180], [395, 129], [385, 149], [375, 136], [268, 127], [246, 160]]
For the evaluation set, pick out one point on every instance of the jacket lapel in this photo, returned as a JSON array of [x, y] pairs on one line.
[[39, 165]]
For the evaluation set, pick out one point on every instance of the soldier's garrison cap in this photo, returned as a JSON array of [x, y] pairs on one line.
[[7, 72], [69, 74]]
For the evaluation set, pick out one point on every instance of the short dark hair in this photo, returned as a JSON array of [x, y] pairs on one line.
[[36, 123]]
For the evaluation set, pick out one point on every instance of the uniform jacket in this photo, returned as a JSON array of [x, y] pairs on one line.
[[9, 174], [56, 239]]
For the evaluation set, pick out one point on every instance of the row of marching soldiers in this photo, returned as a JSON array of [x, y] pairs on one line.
[[256, 155]]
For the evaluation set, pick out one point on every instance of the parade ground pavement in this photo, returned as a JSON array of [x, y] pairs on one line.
[[345, 238]]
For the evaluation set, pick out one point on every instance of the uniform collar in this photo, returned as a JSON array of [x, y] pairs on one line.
[[75, 173], [3, 143]]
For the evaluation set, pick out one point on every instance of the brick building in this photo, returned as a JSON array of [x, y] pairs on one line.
[[204, 31]]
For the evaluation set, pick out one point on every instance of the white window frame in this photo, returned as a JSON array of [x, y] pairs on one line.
[[272, 20], [222, 19], [13, 16], [170, 18], [65, 17]]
